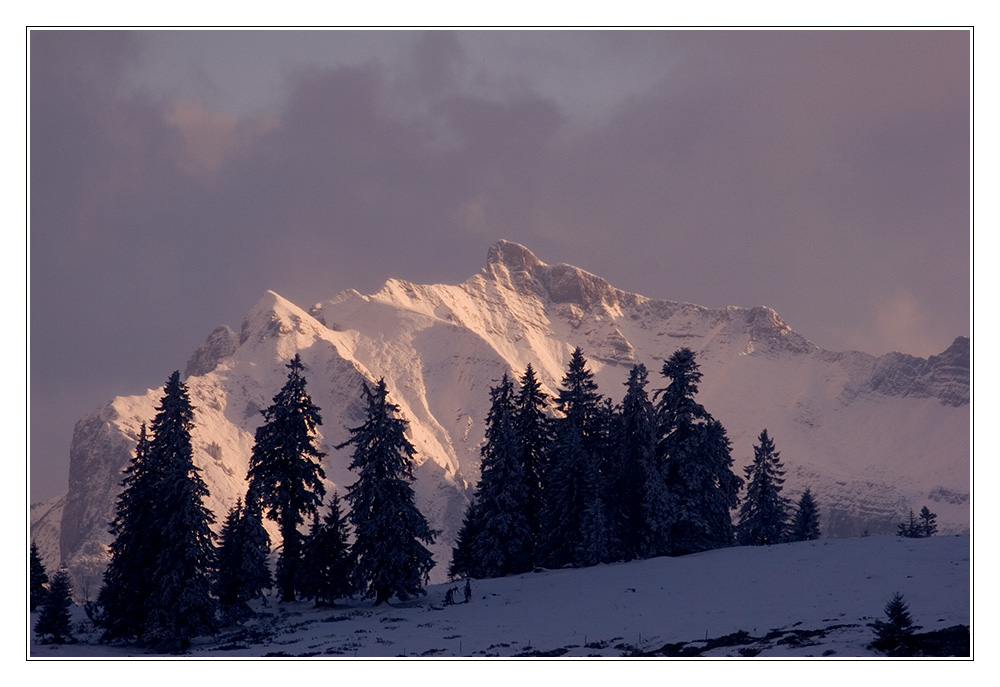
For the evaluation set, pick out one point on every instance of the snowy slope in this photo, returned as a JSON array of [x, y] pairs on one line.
[[872, 436], [808, 599]]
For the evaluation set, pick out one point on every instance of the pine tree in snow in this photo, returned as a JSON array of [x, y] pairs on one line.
[[533, 432], [389, 559], [326, 562], [928, 522], [256, 545], [242, 566], [893, 635], [227, 561], [909, 529], [463, 563], [502, 544], [764, 511], [53, 625], [595, 543], [805, 522], [122, 602], [565, 498], [573, 519], [285, 472], [39, 578], [636, 497], [181, 604], [697, 460]]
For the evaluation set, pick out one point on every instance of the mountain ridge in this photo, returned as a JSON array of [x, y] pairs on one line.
[[871, 435]]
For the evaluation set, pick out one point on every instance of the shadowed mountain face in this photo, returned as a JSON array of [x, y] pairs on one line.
[[872, 436]]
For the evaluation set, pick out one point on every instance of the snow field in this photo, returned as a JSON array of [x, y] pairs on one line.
[[838, 586]]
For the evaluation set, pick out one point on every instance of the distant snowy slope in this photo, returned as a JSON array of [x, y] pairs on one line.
[[872, 436]]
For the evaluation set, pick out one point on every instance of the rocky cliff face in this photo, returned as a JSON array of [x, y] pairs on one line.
[[872, 436]]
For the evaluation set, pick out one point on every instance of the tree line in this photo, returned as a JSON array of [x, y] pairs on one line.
[[569, 481], [595, 482], [170, 578]]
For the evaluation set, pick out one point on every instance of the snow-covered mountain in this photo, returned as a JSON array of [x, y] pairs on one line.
[[872, 436]]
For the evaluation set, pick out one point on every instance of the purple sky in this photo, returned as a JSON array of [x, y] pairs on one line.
[[176, 176]]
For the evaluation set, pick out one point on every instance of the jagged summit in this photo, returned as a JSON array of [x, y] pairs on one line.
[[513, 256], [512, 265], [274, 316]]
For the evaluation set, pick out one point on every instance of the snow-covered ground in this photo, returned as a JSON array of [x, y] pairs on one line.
[[808, 599]]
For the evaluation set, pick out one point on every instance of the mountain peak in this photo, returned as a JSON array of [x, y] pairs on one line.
[[274, 316], [513, 256], [513, 265]]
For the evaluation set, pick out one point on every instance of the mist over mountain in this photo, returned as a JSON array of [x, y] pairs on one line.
[[872, 436]]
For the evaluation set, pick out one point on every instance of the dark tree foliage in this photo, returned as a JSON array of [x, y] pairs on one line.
[[907, 529], [565, 498], [54, 625], [389, 559], [242, 572], [285, 473], [326, 561], [925, 526], [181, 605], [462, 558], [928, 522], [533, 432], [894, 634], [764, 512], [910, 528], [636, 495], [697, 460], [573, 520], [256, 549], [805, 522], [595, 543], [227, 560], [122, 602], [502, 543], [39, 578]]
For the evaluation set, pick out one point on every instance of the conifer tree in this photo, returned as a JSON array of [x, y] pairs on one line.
[[595, 544], [285, 473], [389, 559], [573, 519], [894, 634], [805, 522], [242, 572], [910, 528], [228, 563], [502, 542], [181, 604], [928, 524], [636, 498], [39, 578], [565, 497], [533, 433], [122, 602], [54, 624], [764, 511], [697, 460], [326, 563], [463, 562], [256, 545]]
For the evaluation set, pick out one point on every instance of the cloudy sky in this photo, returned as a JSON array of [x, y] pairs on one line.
[[177, 175]]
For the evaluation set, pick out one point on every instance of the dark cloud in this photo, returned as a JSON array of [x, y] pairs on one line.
[[822, 173]]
